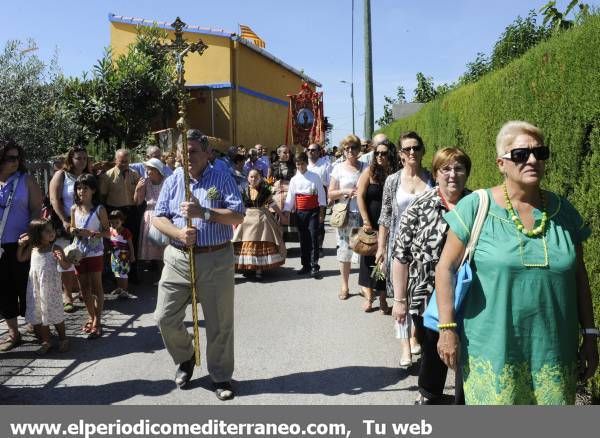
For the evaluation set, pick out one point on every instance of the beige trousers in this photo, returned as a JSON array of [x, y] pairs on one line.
[[214, 287]]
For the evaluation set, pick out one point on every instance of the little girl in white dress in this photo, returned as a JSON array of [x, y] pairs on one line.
[[44, 289]]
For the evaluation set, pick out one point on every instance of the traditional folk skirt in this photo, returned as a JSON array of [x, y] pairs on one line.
[[288, 223], [258, 242]]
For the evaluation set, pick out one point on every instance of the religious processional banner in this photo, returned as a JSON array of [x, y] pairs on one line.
[[306, 117]]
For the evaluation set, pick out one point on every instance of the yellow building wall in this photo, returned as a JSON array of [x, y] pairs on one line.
[[213, 67], [212, 119], [255, 120], [264, 75], [260, 121]]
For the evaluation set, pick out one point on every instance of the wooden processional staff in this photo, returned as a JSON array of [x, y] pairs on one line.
[[179, 48]]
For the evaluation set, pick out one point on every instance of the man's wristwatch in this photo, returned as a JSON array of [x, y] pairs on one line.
[[592, 331], [207, 214]]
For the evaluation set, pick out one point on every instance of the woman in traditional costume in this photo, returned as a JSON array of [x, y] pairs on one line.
[[258, 242]]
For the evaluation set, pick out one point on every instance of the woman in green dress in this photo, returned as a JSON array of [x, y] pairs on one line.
[[518, 343]]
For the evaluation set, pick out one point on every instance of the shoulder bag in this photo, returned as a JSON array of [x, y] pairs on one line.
[[339, 214], [363, 243], [464, 275]]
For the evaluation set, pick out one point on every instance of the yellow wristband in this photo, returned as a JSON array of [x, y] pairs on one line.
[[450, 325]]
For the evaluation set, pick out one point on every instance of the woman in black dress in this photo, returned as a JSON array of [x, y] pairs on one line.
[[370, 193], [282, 172]]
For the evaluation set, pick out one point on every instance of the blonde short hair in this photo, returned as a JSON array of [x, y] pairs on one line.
[[350, 140], [511, 130], [446, 155]]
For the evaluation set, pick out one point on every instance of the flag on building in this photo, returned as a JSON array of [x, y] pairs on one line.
[[248, 34]]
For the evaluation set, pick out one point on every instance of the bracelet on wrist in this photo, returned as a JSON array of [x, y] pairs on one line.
[[400, 300], [590, 331], [447, 326]]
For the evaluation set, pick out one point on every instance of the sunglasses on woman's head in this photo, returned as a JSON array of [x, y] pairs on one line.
[[415, 149], [521, 155]]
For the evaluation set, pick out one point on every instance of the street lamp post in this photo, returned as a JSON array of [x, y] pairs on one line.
[[352, 99]]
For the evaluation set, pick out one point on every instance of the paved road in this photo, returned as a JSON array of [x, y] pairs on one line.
[[296, 343]]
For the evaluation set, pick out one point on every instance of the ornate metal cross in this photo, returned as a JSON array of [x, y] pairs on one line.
[[179, 48]]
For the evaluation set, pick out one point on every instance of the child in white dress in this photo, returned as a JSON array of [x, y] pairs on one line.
[[44, 290]]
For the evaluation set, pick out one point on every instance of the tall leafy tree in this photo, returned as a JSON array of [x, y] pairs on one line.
[[557, 20], [126, 95], [476, 69], [425, 91], [518, 37], [387, 116], [30, 110]]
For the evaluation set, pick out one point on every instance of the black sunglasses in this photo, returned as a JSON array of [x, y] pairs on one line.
[[415, 149], [312, 150], [381, 153], [521, 155]]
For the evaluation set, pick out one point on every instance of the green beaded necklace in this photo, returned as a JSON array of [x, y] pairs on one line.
[[513, 216]]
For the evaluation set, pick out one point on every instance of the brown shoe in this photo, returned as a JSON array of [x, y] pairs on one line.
[[368, 303], [9, 343], [384, 308]]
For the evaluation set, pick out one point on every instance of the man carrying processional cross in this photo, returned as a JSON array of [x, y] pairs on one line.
[[197, 209]]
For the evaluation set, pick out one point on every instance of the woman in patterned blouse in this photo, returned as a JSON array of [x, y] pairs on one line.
[[420, 240], [399, 190]]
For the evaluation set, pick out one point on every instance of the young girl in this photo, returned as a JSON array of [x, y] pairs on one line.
[[258, 242], [89, 224], [122, 254], [44, 289]]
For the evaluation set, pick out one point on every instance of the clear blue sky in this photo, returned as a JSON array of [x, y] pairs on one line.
[[435, 37]]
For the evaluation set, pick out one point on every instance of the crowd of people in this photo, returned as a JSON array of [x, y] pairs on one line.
[[514, 340]]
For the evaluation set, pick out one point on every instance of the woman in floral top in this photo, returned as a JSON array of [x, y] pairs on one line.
[[420, 239]]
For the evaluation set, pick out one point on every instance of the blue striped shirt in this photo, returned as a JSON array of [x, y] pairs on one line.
[[172, 195]]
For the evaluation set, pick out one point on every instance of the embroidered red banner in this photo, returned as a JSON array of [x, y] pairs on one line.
[[306, 114]]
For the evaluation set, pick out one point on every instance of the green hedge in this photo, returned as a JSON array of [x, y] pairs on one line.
[[556, 86]]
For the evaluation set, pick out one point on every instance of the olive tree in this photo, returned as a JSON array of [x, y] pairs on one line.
[[31, 112]]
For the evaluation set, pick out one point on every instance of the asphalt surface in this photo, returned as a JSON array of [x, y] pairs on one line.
[[296, 343]]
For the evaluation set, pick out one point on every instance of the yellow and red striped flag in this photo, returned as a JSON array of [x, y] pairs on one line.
[[247, 33]]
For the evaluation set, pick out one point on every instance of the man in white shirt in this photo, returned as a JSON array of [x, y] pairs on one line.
[[317, 164], [306, 197], [377, 140], [322, 167]]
